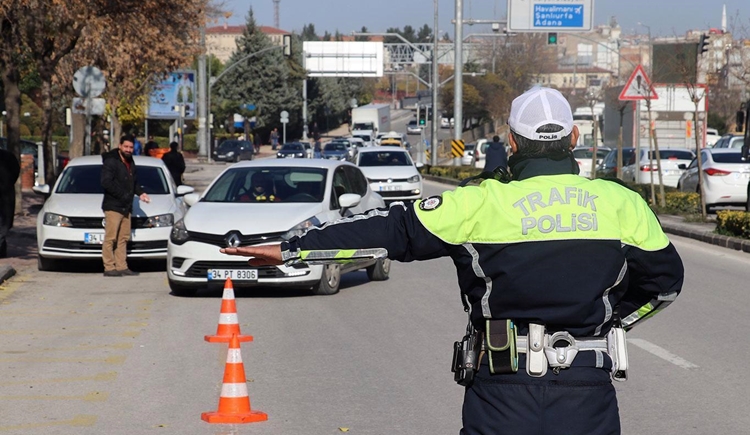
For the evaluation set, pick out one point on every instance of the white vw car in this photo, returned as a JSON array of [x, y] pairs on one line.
[[391, 173], [261, 202], [70, 225]]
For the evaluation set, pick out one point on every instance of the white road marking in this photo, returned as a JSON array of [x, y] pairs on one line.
[[662, 353]]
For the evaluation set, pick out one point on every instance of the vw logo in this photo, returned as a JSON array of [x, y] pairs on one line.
[[104, 223], [390, 180], [233, 240]]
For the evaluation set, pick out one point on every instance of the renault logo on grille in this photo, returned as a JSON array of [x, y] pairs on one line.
[[233, 240]]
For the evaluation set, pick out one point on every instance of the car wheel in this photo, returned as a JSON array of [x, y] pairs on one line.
[[180, 290], [45, 264], [329, 283], [380, 270]]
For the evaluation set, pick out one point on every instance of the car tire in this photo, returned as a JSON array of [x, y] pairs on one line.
[[180, 290], [45, 264], [380, 270], [330, 282]]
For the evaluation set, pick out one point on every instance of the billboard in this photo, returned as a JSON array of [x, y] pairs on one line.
[[343, 58], [173, 89]]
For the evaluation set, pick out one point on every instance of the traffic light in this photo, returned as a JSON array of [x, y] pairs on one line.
[[552, 38], [703, 44], [423, 116]]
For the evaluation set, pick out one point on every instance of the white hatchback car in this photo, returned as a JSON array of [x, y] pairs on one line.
[[298, 194], [391, 173], [725, 177], [70, 225], [671, 161]]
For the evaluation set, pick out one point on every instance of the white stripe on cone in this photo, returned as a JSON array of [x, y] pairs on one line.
[[228, 319], [228, 293], [234, 356], [234, 390]]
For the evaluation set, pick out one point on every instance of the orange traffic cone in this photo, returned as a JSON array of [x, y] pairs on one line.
[[228, 323], [234, 403]]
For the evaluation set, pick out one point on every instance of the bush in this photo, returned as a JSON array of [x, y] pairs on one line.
[[735, 223], [682, 203], [454, 172]]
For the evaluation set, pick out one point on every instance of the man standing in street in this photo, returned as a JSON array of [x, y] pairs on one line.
[[175, 163], [275, 139], [120, 185], [9, 171], [316, 138], [495, 155], [543, 341]]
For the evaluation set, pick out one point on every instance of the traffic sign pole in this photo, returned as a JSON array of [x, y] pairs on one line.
[[284, 120]]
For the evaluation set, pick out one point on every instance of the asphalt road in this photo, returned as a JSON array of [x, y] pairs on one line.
[[86, 355]]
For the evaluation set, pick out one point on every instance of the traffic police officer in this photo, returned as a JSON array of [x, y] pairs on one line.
[[553, 268]]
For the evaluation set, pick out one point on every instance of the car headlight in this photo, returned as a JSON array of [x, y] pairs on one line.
[[279, 155], [230, 153], [179, 233], [158, 221], [414, 179], [56, 220], [299, 154], [301, 228]]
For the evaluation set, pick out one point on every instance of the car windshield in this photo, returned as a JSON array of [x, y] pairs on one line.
[[229, 144], [469, 146], [361, 126], [292, 147], [269, 184], [728, 158], [88, 179], [363, 137], [384, 158], [737, 142], [672, 155], [335, 146]]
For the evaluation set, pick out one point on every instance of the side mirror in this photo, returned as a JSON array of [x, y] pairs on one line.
[[419, 165], [682, 166], [183, 190], [349, 200], [192, 199], [43, 189]]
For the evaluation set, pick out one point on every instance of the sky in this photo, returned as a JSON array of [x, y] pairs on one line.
[[663, 17]]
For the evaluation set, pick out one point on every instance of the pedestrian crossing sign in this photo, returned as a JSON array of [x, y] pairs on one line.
[[638, 87]]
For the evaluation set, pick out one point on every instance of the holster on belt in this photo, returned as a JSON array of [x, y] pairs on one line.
[[500, 343]]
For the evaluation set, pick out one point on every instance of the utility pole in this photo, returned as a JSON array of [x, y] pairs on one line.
[[458, 66], [202, 137], [435, 79]]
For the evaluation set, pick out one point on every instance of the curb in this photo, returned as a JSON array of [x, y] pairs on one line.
[[683, 230], [6, 272]]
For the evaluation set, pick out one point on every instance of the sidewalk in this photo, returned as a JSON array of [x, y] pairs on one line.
[[22, 245]]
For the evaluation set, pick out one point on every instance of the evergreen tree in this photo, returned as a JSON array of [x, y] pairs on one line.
[[424, 34], [308, 33], [262, 80]]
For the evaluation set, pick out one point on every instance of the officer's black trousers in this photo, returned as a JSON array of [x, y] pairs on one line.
[[577, 401]]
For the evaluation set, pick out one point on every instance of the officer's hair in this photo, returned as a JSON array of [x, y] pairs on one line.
[[539, 148]]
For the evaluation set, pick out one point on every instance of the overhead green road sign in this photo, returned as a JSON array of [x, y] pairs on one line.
[[550, 15]]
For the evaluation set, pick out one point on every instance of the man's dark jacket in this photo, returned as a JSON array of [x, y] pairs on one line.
[[175, 163], [119, 182], [495, 156]]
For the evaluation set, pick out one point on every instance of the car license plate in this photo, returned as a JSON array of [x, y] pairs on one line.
[[93, 238], [389, 187], [289, 156], [235, 274]]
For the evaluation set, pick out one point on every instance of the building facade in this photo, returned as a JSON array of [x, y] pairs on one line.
[[221, 41]]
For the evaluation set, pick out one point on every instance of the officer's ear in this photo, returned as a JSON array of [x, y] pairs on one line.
[[512, 141], [574, 136]]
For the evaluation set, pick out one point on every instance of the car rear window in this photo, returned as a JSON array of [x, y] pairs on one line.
[[672, 154], [728, 158], [586, 153], [469, 147], [384, 158]]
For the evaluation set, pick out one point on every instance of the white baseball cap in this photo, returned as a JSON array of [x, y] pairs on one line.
[[537, 107]]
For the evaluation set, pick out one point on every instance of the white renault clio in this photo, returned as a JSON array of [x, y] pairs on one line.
[[70, 225], [267, 201]]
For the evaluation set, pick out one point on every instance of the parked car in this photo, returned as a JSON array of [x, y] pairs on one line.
[[232, 150], [608, 167], [447, 123], [391, 172], [335, 150], [480, 153], [712, 136], [413, 127], [730, 141], [468, 158], [70, 224], [583, 156], [292, 150], [638, 170], [725, 177], [307, 194]]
